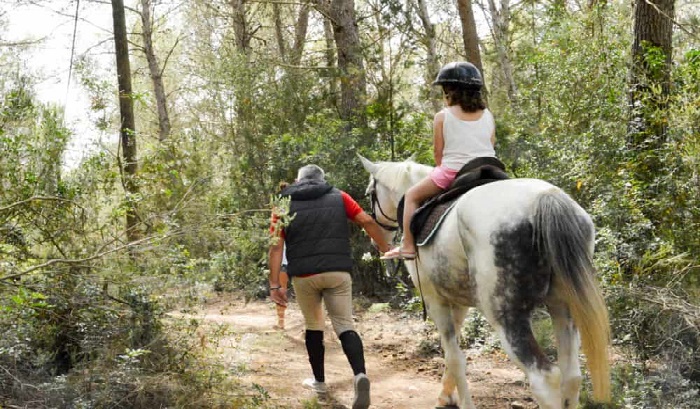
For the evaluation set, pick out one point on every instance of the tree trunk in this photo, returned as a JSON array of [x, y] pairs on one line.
[[649, 90], [155, 71], [353, 84], [653, 31], [240, 26], [330, 61], [501, 35], [469, 34], [300, 29], [279, 31], [127, 129], [653, 28], [430, 42]]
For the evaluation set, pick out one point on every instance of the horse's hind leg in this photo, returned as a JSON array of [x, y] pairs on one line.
[[520, 345], [567, 353], [449, 322]]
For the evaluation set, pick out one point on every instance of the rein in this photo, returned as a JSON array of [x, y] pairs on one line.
[[420, 291], [375, 204]]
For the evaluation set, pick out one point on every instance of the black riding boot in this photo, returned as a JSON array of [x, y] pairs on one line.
[[316, 350], [352, 346]]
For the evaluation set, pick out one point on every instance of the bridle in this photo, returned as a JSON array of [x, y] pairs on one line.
[[376, 205]]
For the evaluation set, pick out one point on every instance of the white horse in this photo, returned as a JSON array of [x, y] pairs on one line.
[[507, 247]]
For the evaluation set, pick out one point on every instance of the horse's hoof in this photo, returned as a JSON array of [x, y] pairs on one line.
[[447, 401]]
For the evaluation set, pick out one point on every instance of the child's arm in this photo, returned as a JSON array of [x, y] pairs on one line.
[[438, 140], [493, 134]]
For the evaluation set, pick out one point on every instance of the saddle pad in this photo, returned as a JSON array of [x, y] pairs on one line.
[[433, 221], [428, 217]]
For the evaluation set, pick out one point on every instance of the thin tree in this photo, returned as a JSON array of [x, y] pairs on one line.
[[155, 70], [330, 60], [500, 28], [127, 127], [300, 29], [241, 27], [428, 39], [293, 53], [279, 30], [469, 34]]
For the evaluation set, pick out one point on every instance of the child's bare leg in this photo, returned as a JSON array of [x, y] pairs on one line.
[[281, 309], [409, 207], [417, 194], [280, 315]]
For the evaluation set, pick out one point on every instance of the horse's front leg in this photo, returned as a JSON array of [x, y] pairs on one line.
[[449, 322]]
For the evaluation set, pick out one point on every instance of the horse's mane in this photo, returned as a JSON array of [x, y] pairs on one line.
[[399, 176]]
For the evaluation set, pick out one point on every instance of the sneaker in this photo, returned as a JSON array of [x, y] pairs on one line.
[[361, 392], [314, 385]]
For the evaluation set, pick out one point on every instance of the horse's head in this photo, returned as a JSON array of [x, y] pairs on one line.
[[382, 204], [387, 184]]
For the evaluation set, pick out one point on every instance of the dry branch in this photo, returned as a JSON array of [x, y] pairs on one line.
[[668, 301], [83, 260], [37, 198]]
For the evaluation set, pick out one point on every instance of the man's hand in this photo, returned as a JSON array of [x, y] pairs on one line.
[[279, 295], [375, 232]]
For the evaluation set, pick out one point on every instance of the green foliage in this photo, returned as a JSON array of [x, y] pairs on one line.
[[407, 297], [654, 59], [243, 266], [478, 334], [544, 332], [90, 327], [429, 347], [658, 325], [92, 333], [635, 387], [566, 127]]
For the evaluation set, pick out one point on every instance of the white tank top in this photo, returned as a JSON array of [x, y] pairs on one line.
[[466, 140]]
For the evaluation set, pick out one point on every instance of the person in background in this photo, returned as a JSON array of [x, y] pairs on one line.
[[463, 131], [284, 280], [283, 277], [318, 251]]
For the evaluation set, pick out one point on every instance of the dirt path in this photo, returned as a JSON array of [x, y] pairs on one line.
[[401, 376]]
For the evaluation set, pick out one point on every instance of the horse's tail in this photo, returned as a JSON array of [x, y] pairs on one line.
[[564, 235]]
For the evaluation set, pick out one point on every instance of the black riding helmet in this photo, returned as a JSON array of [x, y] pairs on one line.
[[459, 72]]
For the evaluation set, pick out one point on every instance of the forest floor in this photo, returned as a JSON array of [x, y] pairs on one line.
[[403, 372]]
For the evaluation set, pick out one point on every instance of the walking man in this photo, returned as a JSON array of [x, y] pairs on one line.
[[318, 252]]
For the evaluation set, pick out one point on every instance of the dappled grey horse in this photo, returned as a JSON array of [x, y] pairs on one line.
[[506, 248]]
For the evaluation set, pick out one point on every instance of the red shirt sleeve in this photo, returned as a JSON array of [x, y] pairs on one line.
[[273, 224], [352, 208]]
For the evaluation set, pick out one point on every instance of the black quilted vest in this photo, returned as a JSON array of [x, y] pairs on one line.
[[318, 237]]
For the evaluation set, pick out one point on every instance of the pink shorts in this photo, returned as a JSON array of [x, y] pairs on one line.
[[443, 176]]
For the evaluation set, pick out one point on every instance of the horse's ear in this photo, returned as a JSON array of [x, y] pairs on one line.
[[411, 158], [368, 164]]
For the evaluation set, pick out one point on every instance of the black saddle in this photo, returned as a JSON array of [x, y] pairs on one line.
[[429, 215]]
